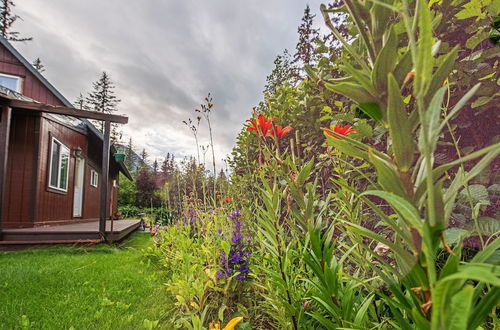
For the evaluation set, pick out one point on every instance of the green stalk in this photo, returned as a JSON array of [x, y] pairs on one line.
[[359, 23], [431, 212]]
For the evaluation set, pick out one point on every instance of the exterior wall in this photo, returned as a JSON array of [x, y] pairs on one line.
[[31, 86], [21, 170], [55, 206], [29, 201]]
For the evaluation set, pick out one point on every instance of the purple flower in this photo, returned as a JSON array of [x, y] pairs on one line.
[[190, 218], [239, 253]]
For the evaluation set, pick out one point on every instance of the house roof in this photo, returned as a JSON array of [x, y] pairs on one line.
[[59, 96], [35, 72]]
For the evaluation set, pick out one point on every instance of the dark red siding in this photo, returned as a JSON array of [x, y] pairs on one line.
[[21, 170], [31, 87], [29, 200], [54, 206]]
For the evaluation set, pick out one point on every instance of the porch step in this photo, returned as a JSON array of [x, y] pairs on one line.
[[67, 241], [68, 234]]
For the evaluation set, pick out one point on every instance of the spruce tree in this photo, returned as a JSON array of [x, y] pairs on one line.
[[155, 166], [304, 54], [103, 99], [144, 156], [7, 19], [81, 102], [37, 64], [168, 168], [129, 154]]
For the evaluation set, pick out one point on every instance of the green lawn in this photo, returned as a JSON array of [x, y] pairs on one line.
[[106, 287]]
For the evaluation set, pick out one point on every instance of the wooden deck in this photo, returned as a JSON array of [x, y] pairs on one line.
[[87, 232]]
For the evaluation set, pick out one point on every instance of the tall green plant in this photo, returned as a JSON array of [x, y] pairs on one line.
[[423, 294]]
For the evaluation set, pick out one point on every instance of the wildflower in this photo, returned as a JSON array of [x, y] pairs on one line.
[[237, 260], [339, 129], [261, 125], [279, 131], [227, 199], [154, 230], [191, 216], [229, 326]]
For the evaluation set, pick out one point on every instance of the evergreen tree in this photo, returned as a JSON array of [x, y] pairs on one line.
[[168, 168], [307, 37], [81, 102], [37, 64], [103, 99], [155, 167], [145, 185], [144, 156], [7, 19], [282, 72], [129, 154]]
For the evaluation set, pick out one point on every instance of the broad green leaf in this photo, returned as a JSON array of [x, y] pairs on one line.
[[455, 235], [346, 148], [385, 62], [305, 172], [439, 223], [424, 60], [440, 293], [477, 193], [432, 119], [387, 175], [399, 126], [379, 15], [403, 207], [403, 67], [361, 78], [371, 109], [441, 73], [488, 225], [361, 314], [487, 252], [473, 8], [457, 314], [353, 91], [478, 272]]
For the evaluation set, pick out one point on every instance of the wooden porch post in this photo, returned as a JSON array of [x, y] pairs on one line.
[[103, 209], [5, 117]]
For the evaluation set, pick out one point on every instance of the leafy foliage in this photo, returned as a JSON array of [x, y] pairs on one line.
[[380, 208]]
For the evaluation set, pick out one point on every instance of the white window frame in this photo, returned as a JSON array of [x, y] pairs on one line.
[[94, 178], [19, 81], [63, 148]]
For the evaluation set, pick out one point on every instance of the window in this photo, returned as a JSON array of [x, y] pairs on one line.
[[94, 178], [59, 164], [11, 82]]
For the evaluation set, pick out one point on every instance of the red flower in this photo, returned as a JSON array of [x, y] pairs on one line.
[[227, 199], [262, 123], [339, 129], [279, 131]]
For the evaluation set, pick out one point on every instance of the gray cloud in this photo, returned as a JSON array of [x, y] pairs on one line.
[[164, 57]]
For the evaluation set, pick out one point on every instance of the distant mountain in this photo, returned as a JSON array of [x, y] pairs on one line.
[[136, 161]]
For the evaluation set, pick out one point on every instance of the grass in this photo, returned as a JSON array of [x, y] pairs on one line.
[[104, 287]]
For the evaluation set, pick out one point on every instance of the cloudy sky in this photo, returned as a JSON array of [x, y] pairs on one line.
[[164, 57]]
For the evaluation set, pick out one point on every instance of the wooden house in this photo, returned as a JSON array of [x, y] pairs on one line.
[[53, 161]]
